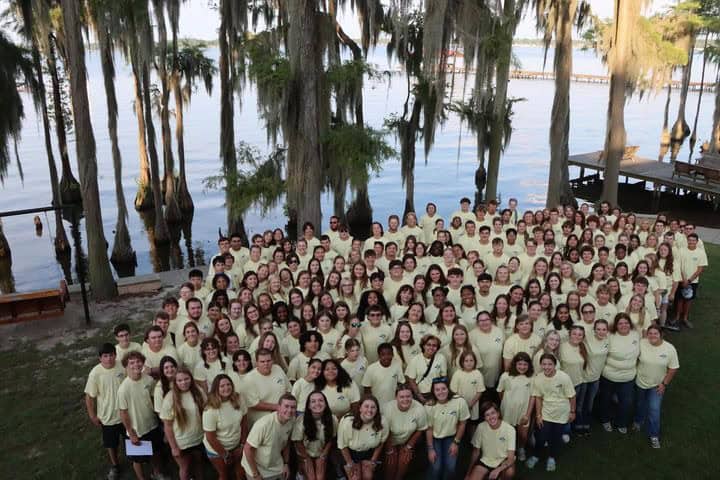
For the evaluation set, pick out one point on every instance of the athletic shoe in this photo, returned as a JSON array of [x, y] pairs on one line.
[[566, 438], [551, 466], [636, 427], [521, 454], [622, 430], [531, 462], [672, 326], [687, 324], [607, 427], [114, 473], [299, 476], [654, 442]]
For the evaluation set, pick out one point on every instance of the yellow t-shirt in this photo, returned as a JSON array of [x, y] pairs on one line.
[[201, 373], [121, 352], [515, 344], [313, 448], [355, 369], [269, 437], [289, 347], [517, 391], [102, 385], [339, 402], [605, 312], [192, 434], [158, 397], [654, 363], [572, 363], [299, 365], [597, 354], [490, 347], [372, 337], [152, 359], [467, 385], [301, 390], [555, 392], [383, 381], [135, 397], [366, 438], [264, 388], [494, 443], [403, 425], [330, 339], [690, 260], [444, 417], [419, 365], [225, 422], [623, 352], [189, 356]]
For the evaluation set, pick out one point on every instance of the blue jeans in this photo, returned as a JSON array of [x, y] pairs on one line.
[[550, 433], [625, 393], [445, 464], [591, 392], [647, 407], [580, 399]]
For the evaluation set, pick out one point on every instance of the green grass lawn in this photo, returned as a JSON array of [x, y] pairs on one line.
[[46, 434]]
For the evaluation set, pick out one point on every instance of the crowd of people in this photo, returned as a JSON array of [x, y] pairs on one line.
[[500, 333]]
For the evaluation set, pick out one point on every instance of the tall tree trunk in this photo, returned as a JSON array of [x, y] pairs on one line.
[[408, 136], [693, 135], [715, 134], [172, 209], [500, 104], [227, 117], [185, 201], [69, 186], [626, 11], [359, 214], [559, 191], [161, 231], [122, 252], [680, 130], [483, 82], [665, 134], [101, 278], [61, 242], [307, 112], [143, 198]]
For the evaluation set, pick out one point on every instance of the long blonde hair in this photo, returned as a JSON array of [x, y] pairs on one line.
[[181, 416]]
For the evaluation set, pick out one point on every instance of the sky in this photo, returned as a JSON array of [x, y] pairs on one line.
[[197, 20]]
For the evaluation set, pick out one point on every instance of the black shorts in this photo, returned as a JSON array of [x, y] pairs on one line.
[[485, 465], [155, 437], [199, 448], [678, 295], [111, 435], [359, 456]]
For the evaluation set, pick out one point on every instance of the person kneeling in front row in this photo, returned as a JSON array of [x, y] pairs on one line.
[[496, 440]]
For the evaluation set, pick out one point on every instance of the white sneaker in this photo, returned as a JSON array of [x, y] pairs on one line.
[[622, 430], [531, 462], [566, 438], [607, 427], [636, 427], [521, 454], [654, 442], [551, 466]]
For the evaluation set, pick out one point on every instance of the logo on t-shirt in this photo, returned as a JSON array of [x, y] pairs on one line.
[[498, 340], [502, 439], [663, 355]]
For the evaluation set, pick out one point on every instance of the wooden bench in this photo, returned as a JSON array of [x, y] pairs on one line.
[[20, 307], [684, 169], [709, 174], [139, 284]]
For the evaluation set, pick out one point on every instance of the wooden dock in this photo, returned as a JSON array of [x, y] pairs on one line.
[[585, 78], [660, 174]]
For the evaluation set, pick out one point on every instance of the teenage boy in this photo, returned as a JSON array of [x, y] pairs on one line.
[[266, 453], [124, 345], [382, 377], [101, 403], [135, 405]]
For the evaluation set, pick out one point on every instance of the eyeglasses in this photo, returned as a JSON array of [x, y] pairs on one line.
[[355, 325]]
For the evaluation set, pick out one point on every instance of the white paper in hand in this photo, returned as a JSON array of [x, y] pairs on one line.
[[142, 450]]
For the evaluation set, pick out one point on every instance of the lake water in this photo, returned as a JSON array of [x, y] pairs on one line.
[[445, 177]]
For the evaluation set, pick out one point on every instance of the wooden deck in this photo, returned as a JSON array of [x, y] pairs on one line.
[[660, 174]]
